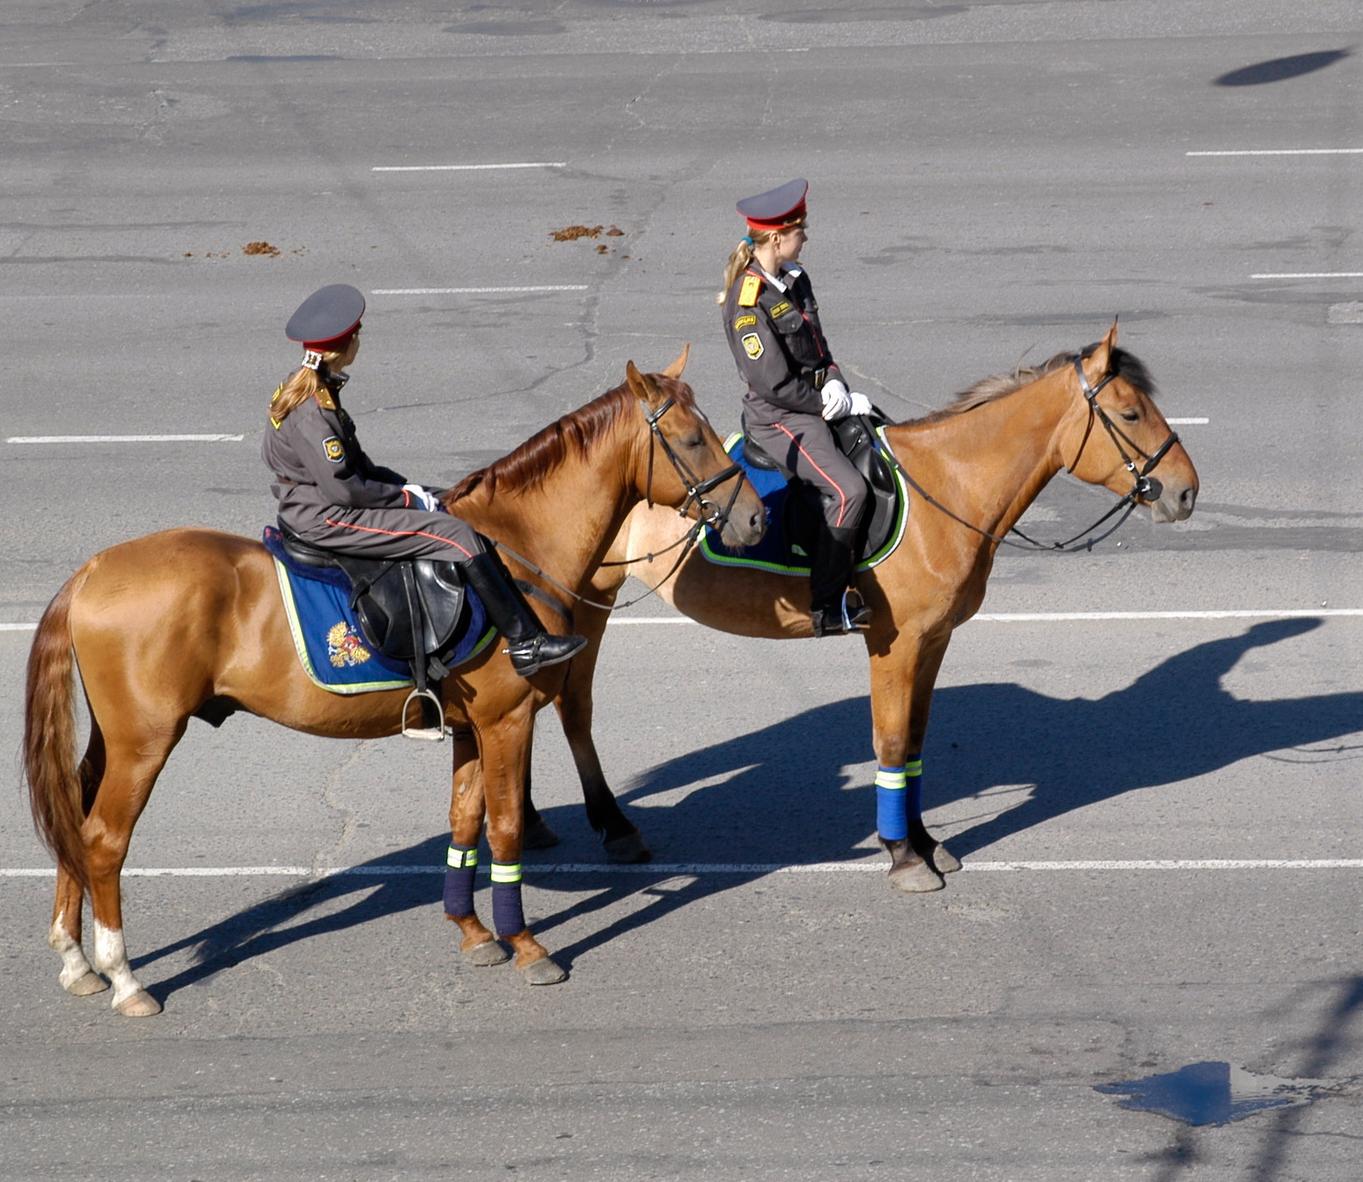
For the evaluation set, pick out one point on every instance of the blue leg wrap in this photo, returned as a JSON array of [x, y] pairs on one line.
[[462, 862], [507, 916], [891, 800]]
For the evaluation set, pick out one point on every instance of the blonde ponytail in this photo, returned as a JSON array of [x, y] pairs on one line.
[[743, 254], [301, 385]]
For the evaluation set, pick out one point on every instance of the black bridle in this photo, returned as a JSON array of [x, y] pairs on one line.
[[1143, 484], [707, 512]]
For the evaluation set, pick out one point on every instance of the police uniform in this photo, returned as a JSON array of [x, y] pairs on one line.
[[330, 493], [772, 325]]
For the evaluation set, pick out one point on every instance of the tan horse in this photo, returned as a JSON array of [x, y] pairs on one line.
[[984, 459], [189, 623]]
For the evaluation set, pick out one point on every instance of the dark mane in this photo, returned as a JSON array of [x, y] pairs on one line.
[[1124, 365], [574, 434]]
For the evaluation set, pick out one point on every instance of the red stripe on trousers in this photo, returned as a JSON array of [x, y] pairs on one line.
[[401, 533], [842, 508]]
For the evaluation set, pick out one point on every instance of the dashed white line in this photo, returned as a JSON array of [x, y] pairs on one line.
[[702, 869], [1308, 275], [124, 439], [1282, 152], [467, 167], [1194, 422], [405, 291]]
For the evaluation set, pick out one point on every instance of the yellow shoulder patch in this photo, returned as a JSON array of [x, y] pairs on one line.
[[325, 400], [747, 320], [747, 294], [752, 345]]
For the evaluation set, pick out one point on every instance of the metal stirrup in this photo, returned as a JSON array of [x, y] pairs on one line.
[[432, 734]]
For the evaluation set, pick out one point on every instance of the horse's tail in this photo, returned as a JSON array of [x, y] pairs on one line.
[[49, 750]]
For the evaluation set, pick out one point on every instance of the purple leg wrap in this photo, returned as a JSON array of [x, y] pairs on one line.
[[507, 917], [462, 864]]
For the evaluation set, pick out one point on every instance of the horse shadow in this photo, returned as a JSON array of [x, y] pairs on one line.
[[784, 794]]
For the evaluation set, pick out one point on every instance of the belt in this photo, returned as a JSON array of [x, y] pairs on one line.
[[816, 377]]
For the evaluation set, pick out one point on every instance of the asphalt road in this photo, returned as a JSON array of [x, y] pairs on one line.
[[1159, 814]]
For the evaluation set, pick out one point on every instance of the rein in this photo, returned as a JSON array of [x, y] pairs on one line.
[[710, 514], [1143, 484]]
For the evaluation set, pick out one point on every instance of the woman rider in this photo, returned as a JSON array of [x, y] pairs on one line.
[[333, 495], [795, 390]]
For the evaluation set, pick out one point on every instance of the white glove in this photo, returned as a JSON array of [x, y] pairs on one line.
[[861, 405], [836, 400], [427, 500]]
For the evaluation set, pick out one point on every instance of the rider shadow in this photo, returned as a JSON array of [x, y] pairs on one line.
[[770, 798]]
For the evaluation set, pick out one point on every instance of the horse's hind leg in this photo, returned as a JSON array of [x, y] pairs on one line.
[[132, 765], [64, 936]]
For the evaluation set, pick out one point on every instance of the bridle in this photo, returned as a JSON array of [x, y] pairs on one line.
[[1143, 484], [708, 512]]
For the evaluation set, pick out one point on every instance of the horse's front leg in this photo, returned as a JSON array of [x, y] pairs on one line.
[[461, 864], [924, 844], [902, 678], [620, 839], [504, 751]]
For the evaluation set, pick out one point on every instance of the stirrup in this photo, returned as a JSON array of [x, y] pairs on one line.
[[432, 734]]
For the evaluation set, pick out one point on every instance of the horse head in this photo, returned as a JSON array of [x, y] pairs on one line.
[[696, 475], [1119, 438]]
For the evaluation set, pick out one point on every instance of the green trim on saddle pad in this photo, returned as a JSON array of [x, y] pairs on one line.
[[890, 546], [359, 687]]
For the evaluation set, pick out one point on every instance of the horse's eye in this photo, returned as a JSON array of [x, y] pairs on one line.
[[696, 440], [1131, 416]]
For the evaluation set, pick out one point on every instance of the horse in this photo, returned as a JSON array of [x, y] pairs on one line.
[[975, 466], [189, 623]]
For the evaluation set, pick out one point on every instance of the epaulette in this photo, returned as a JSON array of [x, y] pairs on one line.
[[748, 293], [278, 390], [325, 400]]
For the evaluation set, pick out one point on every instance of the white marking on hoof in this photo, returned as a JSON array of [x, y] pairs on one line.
[[111, 959], [75, 968]]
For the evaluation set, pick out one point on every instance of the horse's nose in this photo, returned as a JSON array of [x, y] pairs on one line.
[[1186, 500]]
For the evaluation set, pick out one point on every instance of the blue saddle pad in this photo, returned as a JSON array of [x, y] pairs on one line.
[[327, 637], [775, 552]]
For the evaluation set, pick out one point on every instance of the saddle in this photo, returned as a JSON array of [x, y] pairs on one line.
[[408, 609], [855, 437]]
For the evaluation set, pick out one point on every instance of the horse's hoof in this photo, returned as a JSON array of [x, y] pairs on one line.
[[486, 955], [627, 850], [538, 836], [138, 1005], [544, 972], [915, 877], [943, 860], [87, 983]]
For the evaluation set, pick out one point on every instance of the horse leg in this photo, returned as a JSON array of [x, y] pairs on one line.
[[895, 685], [466, 824], [133, 763], [622, 842], [64, 936], [504, 750], [924, 844]]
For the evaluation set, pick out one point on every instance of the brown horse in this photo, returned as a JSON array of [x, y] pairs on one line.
[[189, 623], [983, 460]]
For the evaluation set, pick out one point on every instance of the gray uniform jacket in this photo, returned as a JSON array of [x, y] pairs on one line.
[[321, 466], [778, 343]]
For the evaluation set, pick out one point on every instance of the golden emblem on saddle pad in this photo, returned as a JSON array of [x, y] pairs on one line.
[[344, 647]]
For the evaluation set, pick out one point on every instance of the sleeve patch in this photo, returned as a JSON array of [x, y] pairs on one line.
[[752, 345], [747, 294], [333, 448], [780, 309], [743, 322]]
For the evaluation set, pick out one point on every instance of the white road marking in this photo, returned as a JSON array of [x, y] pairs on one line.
[[399, 291], [467, 167], [124, 439], [700, 869], [1288, 613], [1282, 152], [1308, 275], [1189, 422]]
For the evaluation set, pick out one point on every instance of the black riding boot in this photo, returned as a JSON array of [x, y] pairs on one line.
[[530, 646], [837, 608]]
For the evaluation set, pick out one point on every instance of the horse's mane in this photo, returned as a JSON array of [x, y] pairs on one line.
[[573, 434], [1122, 364]]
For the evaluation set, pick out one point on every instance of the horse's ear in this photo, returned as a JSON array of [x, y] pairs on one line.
[[640, 384], [1100, 360], [675, 369]]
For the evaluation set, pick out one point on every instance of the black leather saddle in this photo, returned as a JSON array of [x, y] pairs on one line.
[[408, 609], [856, 439]]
